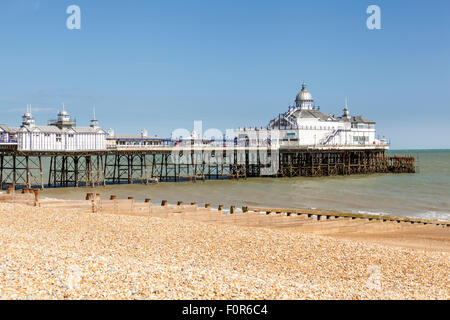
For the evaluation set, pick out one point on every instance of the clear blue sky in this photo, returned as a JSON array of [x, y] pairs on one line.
[[161, 65]]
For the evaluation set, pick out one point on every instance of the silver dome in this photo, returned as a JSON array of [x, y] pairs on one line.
[[304, 95]]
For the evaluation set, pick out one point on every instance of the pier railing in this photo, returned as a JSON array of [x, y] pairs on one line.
[[8, 141], [250, 147]]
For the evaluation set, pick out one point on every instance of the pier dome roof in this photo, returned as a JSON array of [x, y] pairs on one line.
[[304, 99], [63, 113], [304, 94]]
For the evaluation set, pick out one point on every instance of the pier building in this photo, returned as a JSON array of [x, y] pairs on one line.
[[114, 141], [304, 124], [61, 134]]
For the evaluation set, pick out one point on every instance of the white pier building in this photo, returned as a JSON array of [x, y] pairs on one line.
[[61, 134], [305, 125]]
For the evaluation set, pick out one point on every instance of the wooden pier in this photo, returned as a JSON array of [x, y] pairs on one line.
[[146, 165]]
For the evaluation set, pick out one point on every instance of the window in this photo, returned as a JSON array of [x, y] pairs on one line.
[[361, 139]]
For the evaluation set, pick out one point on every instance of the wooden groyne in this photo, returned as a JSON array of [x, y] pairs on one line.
[[329, 215], [94, 204]]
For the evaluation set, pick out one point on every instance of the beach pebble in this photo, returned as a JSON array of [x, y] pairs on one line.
[[62, 254]]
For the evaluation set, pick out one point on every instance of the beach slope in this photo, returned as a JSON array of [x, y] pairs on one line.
[[59, 254]]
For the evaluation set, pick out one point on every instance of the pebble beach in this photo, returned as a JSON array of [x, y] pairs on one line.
[[63, 254]]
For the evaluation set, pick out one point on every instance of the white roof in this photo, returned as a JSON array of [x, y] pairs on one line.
[[5, 128], [54, 129], [88, 130]]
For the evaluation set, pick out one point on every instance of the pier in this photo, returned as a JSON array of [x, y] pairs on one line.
[[148, 164], [302, 142]]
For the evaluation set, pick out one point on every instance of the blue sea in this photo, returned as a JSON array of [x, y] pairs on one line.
[[424, 194]]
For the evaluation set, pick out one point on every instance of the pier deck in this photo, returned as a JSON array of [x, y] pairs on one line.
[[147, 164]]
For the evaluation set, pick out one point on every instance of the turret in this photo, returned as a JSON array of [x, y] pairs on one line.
[[27, 118], [304, 99], [94, 121], [346, 111], [64, 120]]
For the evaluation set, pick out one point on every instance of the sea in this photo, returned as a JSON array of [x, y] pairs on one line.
[[424, 194]]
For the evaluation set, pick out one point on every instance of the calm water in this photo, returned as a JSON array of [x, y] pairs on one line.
[[424, 194]]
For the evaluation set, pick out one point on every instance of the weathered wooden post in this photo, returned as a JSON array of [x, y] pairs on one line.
[[89, 196], [36, 197], [232, 209], [164, 203], [131, 199], [148, 201], [113, 198], [220, 207], [180, 203], [207, 206]]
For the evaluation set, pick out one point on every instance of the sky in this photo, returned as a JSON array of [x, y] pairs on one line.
[[161, 65]]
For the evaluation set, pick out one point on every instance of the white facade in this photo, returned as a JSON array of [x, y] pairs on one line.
[[131, 140], [61, 135], [305, 125], [8, 136]]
